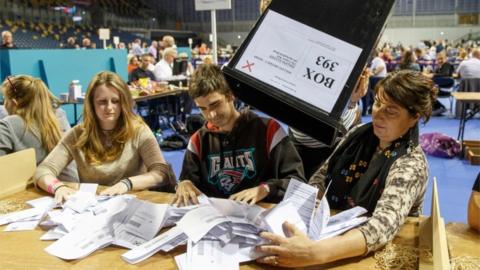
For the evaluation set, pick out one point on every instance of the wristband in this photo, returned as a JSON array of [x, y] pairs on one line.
[[58, 187], [51, 187], [127, 183]]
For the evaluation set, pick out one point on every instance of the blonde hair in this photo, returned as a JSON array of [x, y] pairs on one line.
[[34, 104], [169, 52], [90, 140], [168, 41]]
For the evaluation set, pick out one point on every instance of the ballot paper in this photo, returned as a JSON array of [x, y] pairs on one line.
[[199, 221], [21, 226], [331, 231], [139, 223], [320, 219], [88, 188], [28, 219], [80, 201], [303, 197], [212, 255], [20, 215], [174, 214], [165, 241], [282, 212], [82, 242], [42, 202], [52, 234]]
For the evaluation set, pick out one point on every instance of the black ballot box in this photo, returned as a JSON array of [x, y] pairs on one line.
[[302, 59]]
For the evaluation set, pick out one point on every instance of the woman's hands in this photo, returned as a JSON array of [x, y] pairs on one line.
[[62, 193], [295, 250], [117, 189]]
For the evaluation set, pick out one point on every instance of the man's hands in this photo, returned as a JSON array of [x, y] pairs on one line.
[[186, 194], [251, 195]]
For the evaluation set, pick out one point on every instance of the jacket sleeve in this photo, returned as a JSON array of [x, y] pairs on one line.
[[6, 139], [191, 161], [285, 163]]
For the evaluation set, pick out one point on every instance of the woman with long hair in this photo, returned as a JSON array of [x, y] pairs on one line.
[[112, 146], [31, 122]]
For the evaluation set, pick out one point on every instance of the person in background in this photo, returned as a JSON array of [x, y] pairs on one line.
[[153, 50], [137, 47], [31, 121], [236, 155], [133, 63], [70, 43], [168, 42], [444, 68], [142, 71], [378, 68], [408, 61], [379, 166], [112, 146], [7, 40], [86, 43], [474, 206], [164, 68], [470, 68]]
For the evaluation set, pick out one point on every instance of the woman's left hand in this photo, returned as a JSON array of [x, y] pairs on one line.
[[251, 195], [117, 189], [295, 250]]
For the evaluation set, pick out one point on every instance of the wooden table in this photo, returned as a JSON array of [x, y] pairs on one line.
[[466, 97], [24, 250], [161, 94]]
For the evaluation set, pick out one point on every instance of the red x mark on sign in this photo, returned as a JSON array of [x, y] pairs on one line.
[[249, 66]]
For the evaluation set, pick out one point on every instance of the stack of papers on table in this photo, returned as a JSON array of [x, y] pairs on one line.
[[219, 233]]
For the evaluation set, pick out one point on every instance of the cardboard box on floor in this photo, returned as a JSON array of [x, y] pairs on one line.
[[16, 171], [301, 61]]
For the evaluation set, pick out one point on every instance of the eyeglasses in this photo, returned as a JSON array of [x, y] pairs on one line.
[[11, 84]]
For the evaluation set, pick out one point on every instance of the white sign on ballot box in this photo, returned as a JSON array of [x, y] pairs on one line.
[[299, 60], [212, 4]]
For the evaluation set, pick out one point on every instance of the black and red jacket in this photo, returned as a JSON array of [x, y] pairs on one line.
[[256, 150]]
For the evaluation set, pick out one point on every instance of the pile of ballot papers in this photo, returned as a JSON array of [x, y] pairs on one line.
[[219, 233]]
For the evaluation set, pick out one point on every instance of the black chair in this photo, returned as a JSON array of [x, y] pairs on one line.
[[446, 86], [467, 85], [367, 100]]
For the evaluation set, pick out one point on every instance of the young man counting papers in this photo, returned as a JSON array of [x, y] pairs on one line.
[[236, 155]]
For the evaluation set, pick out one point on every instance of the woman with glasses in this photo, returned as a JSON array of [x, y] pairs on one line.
[[379, 166], [111, 147], [31, 120]]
